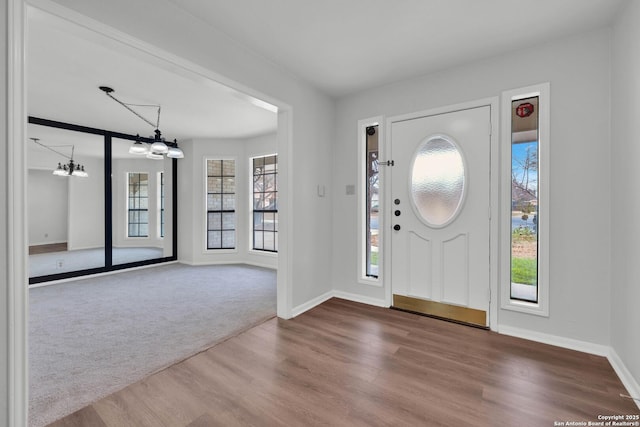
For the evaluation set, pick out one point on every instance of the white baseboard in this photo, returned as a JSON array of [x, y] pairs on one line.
[[200, 263], [359, 298], [625, 376], [336, 294], [629, 382], [259, 264], [197, 263], [71, 247], [569, 343], [296, 311]]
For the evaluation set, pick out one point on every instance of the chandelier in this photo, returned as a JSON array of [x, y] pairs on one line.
[[158, 147], [70, 168]]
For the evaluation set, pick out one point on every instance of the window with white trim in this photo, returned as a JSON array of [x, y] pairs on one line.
[[221, 204], [526, 166], [372, 202], [265, 203], [137, 204], [369, 192], [524, 199]]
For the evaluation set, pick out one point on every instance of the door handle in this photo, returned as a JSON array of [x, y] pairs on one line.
[[396, 227]]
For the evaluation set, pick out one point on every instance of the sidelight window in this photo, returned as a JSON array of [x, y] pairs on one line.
[[372, 201], [369, 193], [525, 249], [524, 199]]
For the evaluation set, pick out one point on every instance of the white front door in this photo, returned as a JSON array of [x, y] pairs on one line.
[[440, 195]]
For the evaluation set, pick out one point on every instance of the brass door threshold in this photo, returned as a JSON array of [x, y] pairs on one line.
[[439, 310]]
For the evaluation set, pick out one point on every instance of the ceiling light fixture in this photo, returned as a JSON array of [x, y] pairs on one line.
[[158, 145], [138, 147], [154, 156], [174, 152], [68, 169]]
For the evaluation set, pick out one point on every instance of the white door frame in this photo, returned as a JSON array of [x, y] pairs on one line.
[[494, 211], [17, 275]]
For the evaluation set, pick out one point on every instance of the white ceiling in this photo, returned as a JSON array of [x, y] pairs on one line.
[[343, 46], [339, 46], [67, 63], [63, 141]]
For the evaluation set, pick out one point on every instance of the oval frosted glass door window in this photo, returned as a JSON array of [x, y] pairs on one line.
[[438, 181]]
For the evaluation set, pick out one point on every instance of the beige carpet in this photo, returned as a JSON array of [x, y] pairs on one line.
[[92, 337]]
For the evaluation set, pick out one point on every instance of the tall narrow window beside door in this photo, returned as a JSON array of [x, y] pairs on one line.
[[372, 202], [138, 204], [526, 199], [221, 204], [265, 203]]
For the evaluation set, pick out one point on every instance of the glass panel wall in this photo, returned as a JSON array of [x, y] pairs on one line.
[[66, 209], [102, 210]]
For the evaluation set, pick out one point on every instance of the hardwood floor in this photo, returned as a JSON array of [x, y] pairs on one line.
[[345, 363], [44, 249]]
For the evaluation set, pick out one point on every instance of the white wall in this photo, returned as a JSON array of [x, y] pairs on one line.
[[47, 206], [5, 280], [261, 145], [192, 206], [186, 198], [578, 70], [85, 202], [191, 199], [85, 223], [40, 159], [625, 203], [86, 207]]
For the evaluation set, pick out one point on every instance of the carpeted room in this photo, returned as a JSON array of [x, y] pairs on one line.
[[92, 335]]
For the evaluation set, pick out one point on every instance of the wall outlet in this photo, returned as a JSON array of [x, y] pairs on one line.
[[59, 263]]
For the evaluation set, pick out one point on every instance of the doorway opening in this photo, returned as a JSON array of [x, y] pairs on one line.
[[18, 383]]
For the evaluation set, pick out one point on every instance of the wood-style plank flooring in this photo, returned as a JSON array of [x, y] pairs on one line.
[[345, 363], [48, 248]]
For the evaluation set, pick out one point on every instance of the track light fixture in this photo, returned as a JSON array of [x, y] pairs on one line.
[[158, 147]]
